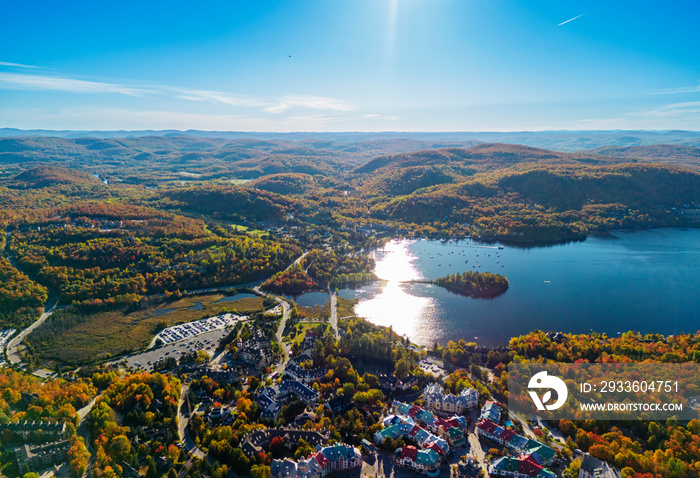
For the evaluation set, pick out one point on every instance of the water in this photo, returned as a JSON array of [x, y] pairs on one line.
[[232, 298], [162, 311], [106, 181], [311, 299], [196, 306], [647, 281]]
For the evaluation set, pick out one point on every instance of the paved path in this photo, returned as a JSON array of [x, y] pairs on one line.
[[334, 314]]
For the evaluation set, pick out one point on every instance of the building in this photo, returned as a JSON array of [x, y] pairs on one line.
[[36, 430], [491, 411], [422, 461], [368, 446], [256, 350], [517, 444], [296, 372], [592, 467], [452, 429], [405, 427], [36, 457], [270, 399], [437, 401], [259, 440], [467, 469], [258, 358], [518, 468], [327, 460], [339, 404]]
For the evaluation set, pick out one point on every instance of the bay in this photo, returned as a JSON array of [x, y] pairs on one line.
[[647, 281]]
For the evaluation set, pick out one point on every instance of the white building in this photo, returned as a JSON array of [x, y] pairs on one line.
[[439, 402], [592, 467]]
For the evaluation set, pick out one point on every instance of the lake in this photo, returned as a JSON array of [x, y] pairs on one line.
[[648, 281]]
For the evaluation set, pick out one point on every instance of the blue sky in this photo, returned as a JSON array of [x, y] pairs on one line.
[[350, 65]]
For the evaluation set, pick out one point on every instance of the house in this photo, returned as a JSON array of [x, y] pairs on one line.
[[256, 350], [491, 411], [518, 468], [452, 429], [270, 398], [437, 401], [468, 469], [301, 419], [516, 444], [592, 467], [296, 372], [326, 460], [368, 446], [405, 427], [339, 404], [258, 358], [36, 430], [388, 382], [259, 440], [422, 461], [31, 457]]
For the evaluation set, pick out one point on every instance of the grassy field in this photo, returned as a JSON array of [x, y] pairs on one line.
[[301, 328], [346, 307], [107, 334]]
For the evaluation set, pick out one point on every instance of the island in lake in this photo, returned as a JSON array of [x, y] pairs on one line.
[[475, 284]]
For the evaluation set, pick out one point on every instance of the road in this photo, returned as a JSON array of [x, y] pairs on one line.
[[188, 444], [334, 314], [286, 348], [83, 431], [529, 433], [13, 346]]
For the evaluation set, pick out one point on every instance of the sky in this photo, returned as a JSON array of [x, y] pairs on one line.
[[350, 65]]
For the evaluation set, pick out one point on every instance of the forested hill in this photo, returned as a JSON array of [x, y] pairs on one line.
[[404, 173], [482, 157], [178, 157], [667, 153], [494, 191]]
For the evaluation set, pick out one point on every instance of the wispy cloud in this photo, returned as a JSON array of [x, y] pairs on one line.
[[310, 102], [571, 19], [273, 105], [217, 97], [90, 118], [22, 81], [671, 116], [673, 91], [20, 65]]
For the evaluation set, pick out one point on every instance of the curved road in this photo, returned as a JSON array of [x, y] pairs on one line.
[[13, 346], [286, 310], [187, 442]]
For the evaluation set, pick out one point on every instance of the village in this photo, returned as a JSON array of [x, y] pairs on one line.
[[408, 426], [439, 433]]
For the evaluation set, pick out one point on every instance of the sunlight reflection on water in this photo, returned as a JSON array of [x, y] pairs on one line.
[[407, 314]]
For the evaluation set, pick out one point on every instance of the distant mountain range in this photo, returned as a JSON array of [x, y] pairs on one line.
[[554, 140]]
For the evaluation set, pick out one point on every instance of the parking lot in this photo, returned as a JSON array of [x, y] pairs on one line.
[[180, 332], [206, 341], [433, 366]]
